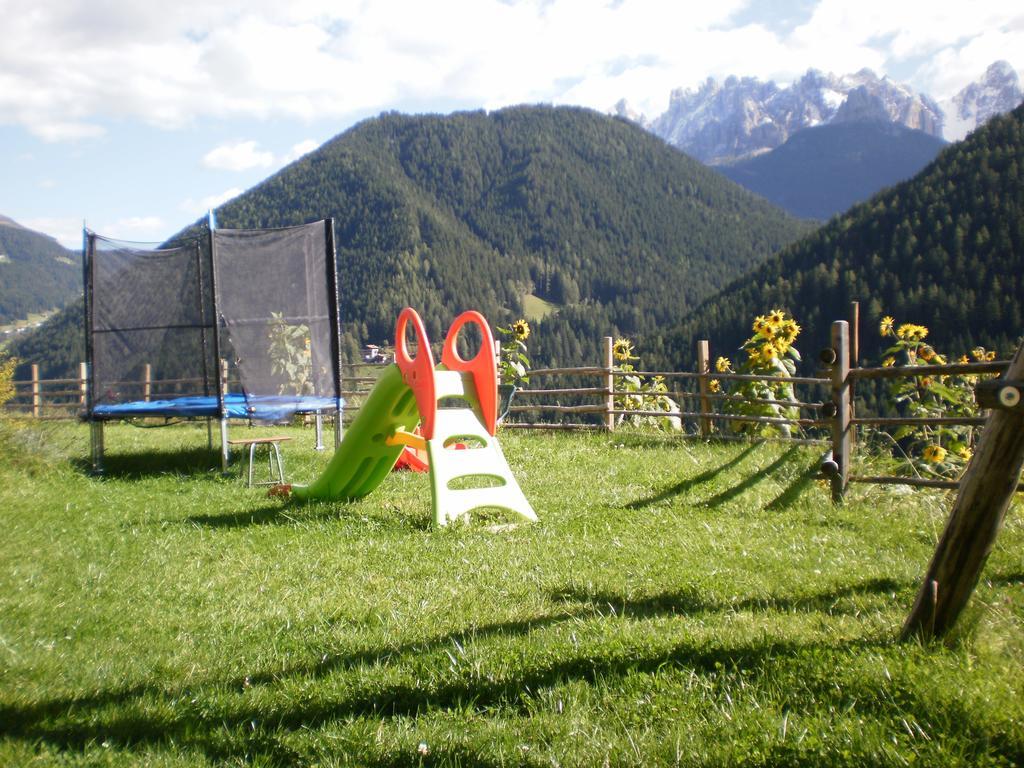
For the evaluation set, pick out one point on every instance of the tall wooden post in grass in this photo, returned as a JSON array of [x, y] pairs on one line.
[[986, 489], [147, 382], [704, 368], [609, 383], [37, 392], [841, 427]]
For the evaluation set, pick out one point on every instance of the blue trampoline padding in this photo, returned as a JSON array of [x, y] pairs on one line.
[[237, 406]]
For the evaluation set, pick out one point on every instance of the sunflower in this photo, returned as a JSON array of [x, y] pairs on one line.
[[911, 332], [889, 362], [885, 327], [521, 329], [978, 353], [760, 323], [789, 330], [776, 317], [927, 353], [990, 355], [767, 352], [622, 349], [934, 453], [714, 386], [723, 364], [964, 359]]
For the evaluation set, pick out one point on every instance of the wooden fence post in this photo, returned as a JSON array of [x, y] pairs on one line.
[[147, 382], [37, 392], [609, 383], [854, 363], [704, 368], [986, 489], [83, 383], [841, 427]]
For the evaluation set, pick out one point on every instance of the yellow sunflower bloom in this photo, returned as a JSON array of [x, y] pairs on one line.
[[767, 352], [622, 349], [521, 329], [990, 355], [889, 362], [714, 386], [789, 330], [886, 325], [964, 359], [776, 317], [723, 364], [760, 324], [934, 453]]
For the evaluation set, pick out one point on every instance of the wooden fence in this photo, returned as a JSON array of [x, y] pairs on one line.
[[591, 398]]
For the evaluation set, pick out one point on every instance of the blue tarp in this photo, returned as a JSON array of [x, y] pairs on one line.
[[237, 406]]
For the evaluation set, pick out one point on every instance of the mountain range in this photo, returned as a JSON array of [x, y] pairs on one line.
[[823, 171], [37, 274], [616, 231], [944, 249], [621, 234], [740, 117]]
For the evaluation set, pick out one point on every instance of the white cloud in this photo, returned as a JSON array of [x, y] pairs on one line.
[[238, 156], [69, 66], [300, 149], [142, 229], [197, 208], [66, 229]]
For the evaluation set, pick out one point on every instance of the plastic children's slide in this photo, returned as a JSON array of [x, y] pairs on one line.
[[455, 404]]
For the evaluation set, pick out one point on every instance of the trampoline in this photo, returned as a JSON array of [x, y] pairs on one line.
[[235, 406], [240, 325]]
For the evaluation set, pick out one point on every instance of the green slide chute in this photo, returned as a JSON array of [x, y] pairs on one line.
[[363, 459]]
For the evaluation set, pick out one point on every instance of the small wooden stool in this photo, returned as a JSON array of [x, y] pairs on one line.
[[273, 452]]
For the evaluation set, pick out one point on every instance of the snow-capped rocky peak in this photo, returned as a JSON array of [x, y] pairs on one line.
[[739, 117], [862, 106], [996, 92]]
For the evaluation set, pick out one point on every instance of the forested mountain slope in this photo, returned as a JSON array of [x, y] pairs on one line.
[[36, 272], [477, 210], [823, 171], [945, 249]]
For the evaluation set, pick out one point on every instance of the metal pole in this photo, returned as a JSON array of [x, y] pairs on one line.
[[334, 313], [221, 364]]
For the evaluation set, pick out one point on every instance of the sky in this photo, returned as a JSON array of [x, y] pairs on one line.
[[134, 117]]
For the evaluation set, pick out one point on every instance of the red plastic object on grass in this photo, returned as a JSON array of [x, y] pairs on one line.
[[418, 372], [483, 367]]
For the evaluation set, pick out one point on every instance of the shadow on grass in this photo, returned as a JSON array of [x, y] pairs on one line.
[[751, 480], [801, 483], [247, 720], [293, 513], [200, 463], [689, 602], [1013, 579], [692, 482]]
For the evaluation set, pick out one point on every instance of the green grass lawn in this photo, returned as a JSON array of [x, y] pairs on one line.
[[679, 603]]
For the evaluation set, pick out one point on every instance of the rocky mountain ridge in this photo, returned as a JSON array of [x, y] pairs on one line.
[[742, 117]]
